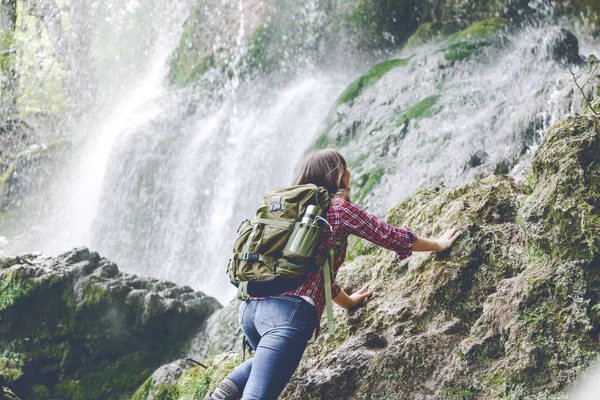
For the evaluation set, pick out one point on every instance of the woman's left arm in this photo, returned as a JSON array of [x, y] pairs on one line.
[[348, 302]]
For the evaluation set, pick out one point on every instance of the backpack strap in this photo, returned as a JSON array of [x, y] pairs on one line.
[[328, 262], [243, 291], [328, 299]]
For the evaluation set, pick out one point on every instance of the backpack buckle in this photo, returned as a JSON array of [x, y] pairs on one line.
[[249, 256], [276, 207]]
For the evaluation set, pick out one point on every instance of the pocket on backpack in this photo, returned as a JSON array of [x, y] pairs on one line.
[[290, 270], [278, 311]]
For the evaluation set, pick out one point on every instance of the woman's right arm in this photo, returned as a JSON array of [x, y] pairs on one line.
[[402, 240]]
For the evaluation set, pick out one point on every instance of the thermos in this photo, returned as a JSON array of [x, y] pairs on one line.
[[304, 237]]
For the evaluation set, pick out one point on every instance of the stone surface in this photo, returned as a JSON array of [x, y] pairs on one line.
[[75, 327], [512, 310], [220, 333]]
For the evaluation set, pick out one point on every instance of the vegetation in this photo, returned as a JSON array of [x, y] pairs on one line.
[[369, 79], [422, 109]]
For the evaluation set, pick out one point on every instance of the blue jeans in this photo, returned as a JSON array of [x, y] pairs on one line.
[[278, 329]]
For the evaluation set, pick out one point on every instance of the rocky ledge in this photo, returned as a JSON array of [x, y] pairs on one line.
[[74, 327]]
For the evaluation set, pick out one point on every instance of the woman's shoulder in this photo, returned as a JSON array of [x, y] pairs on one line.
[[339, 203]]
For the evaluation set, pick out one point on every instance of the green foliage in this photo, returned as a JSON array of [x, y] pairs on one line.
[[480, 30], [322, 142], [422, 109], [470, 42], [194, 384], [369, 79], [461, 51], [365, 184], [119, 376], [431, 30], [93, 295], [456, 393], [361, 248], [188, 65], [257, 56], [12, 288]]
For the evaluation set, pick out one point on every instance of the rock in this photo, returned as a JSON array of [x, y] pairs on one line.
[[220, 333], [563, 47], [507, 311], [510, 311], [163, 380], [73, 326]]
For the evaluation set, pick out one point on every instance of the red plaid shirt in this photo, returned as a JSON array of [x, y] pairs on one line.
[[347, 218]]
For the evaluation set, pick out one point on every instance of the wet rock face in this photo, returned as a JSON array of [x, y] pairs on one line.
[[510, 310], [73, 326], [564, 47]]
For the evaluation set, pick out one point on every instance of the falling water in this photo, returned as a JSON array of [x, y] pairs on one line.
[[163, 176]]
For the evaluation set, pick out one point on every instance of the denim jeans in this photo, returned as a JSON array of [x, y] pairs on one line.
[[278, 329]]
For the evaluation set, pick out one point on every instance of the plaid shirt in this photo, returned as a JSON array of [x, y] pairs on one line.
[[346, 218]]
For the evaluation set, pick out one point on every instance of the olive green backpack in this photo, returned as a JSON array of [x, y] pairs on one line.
[[275, 250]]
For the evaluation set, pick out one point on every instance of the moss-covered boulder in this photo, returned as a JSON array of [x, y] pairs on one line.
[[74, 327], [194, 383], [511, 311]]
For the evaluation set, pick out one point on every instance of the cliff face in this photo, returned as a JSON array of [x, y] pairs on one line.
[[250, 38], [74, 327], [510, 311]]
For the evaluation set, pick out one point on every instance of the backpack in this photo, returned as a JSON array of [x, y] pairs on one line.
[[274, 251]]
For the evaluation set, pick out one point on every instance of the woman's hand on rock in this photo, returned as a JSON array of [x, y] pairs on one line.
[[446, 240], [359, 297]]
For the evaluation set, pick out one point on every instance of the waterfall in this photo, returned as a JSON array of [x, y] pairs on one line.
[[162, 176]]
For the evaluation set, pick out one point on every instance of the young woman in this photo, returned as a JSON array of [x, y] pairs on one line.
[[279, 327]]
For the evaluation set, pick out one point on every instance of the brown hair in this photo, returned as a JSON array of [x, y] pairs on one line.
[[325, 168]]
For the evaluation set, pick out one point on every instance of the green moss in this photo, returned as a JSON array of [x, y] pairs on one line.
[[322, 142], [369, 79], [187, 64], [360, 248], [456, 393], [12, 288], [40, 392], [257, 55], [462, 51], [431, 30], [93, 295], [470, 42], [194, 384], [160, 392], [11, 368], [480, 30], [122, 376], [422, 109], [366, 182]]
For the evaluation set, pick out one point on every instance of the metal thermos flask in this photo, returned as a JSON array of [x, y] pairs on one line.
[[303, 239]]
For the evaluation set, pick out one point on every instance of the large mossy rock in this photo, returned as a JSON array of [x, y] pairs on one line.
[[512, 310], [74, 327]]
